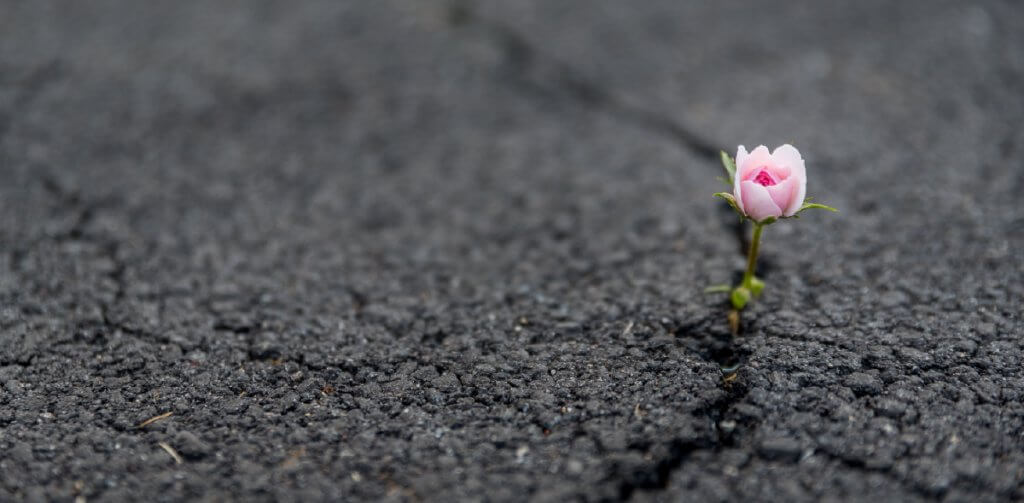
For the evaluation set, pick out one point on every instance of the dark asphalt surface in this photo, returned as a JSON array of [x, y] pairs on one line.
[[429, 251]]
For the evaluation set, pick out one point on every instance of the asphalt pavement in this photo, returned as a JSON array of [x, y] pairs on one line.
[[457, 251]]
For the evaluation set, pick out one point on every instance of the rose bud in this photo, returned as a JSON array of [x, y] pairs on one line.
[[769, 184]]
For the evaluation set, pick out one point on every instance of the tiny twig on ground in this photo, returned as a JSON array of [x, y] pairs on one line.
[[154, 419], [170, 450]]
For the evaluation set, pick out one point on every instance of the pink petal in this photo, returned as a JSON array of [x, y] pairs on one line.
[[782, 193], [757, 158], [789, 156], [777, 170], [741, 157], [757, 202]]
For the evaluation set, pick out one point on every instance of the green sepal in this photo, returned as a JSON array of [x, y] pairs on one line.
[[740, 296], [732, 202], [730, 166], [756, 286], [768, 221]]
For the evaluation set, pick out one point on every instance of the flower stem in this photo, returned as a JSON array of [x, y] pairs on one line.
[[755, 242]]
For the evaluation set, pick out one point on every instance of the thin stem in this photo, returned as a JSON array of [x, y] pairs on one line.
[[755, 242]]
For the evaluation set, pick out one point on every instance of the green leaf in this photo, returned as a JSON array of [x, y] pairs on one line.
[[807, 206], [730, 166], [732, 202], [740, 297], [718, 289]]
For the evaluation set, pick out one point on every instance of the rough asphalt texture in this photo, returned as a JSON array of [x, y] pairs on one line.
[[429, 251]]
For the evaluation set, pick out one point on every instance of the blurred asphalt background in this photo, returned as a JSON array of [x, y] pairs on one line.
[[440, 251]]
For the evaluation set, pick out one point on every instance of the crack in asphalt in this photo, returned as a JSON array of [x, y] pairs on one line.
[[526, 67], [717, 412], [680, 450]]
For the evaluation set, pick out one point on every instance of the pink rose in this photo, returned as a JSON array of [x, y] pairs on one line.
[[769, 184]]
